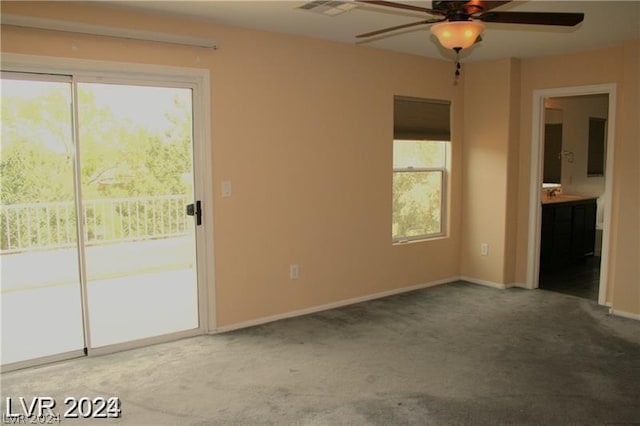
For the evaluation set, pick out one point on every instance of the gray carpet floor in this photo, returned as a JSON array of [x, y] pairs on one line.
[[452, 354]]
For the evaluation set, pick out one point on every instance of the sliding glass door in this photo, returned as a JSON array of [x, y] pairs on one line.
[[137, 178], [97, 247], [40, 290]]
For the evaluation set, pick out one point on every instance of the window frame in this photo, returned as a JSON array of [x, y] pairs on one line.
[[444, 173]]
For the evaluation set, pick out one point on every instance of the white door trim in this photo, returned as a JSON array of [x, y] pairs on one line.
[[199, 79], [537, 154]]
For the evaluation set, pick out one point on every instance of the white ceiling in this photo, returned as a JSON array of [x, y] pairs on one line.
[[606, 23]]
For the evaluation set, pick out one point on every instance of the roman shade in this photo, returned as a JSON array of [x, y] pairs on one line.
[[421, 119]]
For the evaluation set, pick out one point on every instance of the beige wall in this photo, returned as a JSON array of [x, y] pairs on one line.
[[617, 65], [489, 144], [575, 114], [303, 129], [511, 225], [625, 295]]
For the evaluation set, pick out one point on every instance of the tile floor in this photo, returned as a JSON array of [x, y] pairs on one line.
[[581, 279]]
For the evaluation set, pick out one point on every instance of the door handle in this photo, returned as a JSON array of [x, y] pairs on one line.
[[195, 210]]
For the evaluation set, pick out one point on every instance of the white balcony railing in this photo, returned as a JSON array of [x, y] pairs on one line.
[[41, 226]]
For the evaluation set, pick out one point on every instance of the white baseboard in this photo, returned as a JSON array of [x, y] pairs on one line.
[[486, 283], [520, 285], [624, 314], [339, 304]]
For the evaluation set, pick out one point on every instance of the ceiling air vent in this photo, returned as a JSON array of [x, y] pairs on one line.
[[328, 7]]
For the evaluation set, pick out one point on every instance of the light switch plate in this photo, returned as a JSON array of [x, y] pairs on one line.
[[226, 188], [294, 271]]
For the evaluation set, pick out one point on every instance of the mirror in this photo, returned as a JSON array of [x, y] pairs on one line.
[[597, 146], [552, 172]]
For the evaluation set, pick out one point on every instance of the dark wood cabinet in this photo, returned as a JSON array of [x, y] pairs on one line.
[[568, 232]]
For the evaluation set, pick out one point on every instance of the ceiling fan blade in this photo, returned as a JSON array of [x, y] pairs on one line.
[[398, 27], [535, 18], [402, 6]]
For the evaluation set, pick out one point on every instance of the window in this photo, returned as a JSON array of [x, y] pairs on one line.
[[420, 158], [419, 176]]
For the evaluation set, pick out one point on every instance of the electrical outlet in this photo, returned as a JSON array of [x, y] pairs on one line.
[[294, 271], [484, 249]]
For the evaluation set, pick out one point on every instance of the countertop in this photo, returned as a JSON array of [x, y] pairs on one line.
[[564, 198]]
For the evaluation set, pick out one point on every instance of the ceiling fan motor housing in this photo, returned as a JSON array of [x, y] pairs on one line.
[[457, 10]]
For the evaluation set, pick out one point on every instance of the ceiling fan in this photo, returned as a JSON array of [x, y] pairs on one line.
[[459, 24]]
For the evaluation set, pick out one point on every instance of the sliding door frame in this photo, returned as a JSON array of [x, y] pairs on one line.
[[141, 74]]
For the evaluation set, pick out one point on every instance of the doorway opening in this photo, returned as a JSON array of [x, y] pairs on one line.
[[98, 250], [571, 186]]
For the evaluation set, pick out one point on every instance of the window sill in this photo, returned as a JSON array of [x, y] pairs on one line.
[[419, 240]]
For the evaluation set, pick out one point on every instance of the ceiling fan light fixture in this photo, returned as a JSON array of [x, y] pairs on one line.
[[457, 34]]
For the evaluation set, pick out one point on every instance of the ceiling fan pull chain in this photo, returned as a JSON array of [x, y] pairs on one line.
[[458, 66]]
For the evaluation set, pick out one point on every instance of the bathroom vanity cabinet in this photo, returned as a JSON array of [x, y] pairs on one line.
[[568, 230]]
